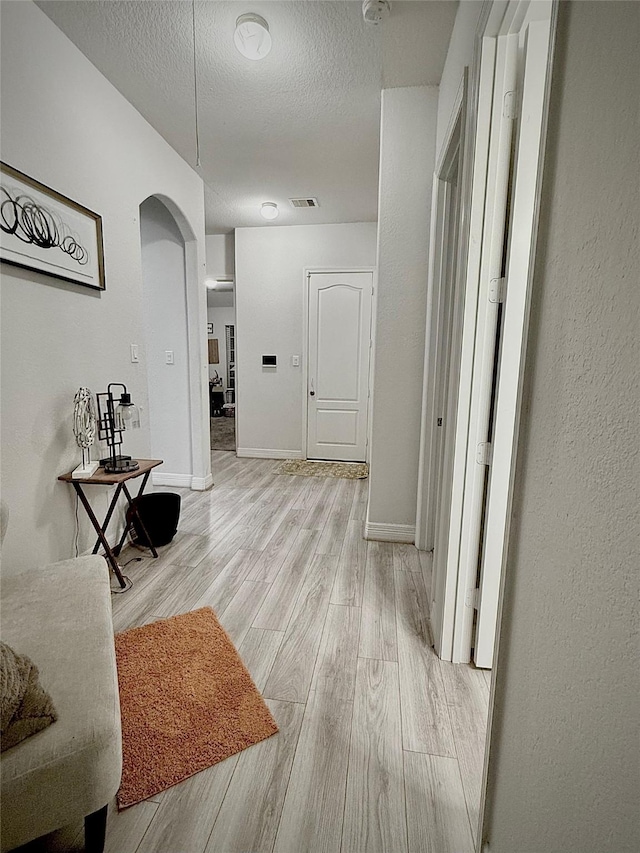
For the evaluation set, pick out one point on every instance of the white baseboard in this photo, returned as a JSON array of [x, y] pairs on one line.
[[259, 453], [390, 532], [177, 480], [182, 481], [201, 484]]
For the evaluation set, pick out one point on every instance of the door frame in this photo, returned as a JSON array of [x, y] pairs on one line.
[[521, 251], [437, 251], [508, 22], [456, 144], [502, 64], [500, 18], [304, 373]]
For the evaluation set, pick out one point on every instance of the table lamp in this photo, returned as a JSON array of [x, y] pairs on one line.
[[113, 419]]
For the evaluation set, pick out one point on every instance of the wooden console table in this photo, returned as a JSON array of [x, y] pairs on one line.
[[101, 478]]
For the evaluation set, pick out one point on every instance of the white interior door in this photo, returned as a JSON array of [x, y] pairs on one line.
[[520, 70], [534, 54], [494, 235], [448, 332], [338, 365]]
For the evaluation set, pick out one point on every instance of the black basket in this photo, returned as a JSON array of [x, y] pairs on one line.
[[160, 513]]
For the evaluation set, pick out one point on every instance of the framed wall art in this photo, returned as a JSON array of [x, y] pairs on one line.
[[42, 230], [209, 328], [214, 355]]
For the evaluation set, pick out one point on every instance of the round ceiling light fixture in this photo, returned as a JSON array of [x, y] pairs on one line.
[[252, 36], [269, 210], [375, 11]]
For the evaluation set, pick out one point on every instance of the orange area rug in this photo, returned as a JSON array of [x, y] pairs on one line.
[[187, 702]]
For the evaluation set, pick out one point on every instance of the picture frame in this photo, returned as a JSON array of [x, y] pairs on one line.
[[209, 328], [214, 354], [44, 231]]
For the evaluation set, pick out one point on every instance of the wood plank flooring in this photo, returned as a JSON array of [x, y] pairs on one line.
[[380, 744]]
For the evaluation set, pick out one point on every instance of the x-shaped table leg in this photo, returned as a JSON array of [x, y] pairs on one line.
[[102, 539]]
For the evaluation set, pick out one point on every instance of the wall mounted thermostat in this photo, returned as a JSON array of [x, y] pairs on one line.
[[269, 361]]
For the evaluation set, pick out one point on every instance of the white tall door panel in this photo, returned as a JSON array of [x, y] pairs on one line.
[[338, 374], [514, 337]]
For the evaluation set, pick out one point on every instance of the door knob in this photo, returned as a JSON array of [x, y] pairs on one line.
[[312, 393]]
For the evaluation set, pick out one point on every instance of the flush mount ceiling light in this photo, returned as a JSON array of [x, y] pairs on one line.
[[252, 37], [269, 210], [375, 11]]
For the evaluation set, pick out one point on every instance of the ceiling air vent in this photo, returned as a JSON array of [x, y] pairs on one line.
[[304, 202]]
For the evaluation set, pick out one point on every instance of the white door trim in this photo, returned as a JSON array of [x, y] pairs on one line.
[[425, 511], [304, 373], [534, 197], [515, 19], [434, 484], [477, 155], [484, 329], [514, 341], [502, 18]]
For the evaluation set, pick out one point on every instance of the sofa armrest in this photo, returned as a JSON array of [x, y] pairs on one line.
[[60, 616]]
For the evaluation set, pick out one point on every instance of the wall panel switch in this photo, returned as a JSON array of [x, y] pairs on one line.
[[168, 356], [134, 354], [295, 361]]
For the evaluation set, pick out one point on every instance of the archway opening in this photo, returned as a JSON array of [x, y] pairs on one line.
[[164, 296]]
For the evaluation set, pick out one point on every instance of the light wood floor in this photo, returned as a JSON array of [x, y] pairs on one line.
[[380, 745]]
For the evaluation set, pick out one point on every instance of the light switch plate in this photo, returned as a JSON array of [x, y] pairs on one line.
[[134, 354], [168, 356]]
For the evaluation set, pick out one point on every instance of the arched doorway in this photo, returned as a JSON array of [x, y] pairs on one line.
[[170, 291]]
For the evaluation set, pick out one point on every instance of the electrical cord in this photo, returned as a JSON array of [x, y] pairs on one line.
[[129, 583], [77, 536], [195, 83]]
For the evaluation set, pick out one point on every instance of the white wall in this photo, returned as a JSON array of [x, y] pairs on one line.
[[66, 126], [563, 763], [165, 322], [220, 255], [459, 56], [407, 159], [221, 262], [270, 264], [221, 317]]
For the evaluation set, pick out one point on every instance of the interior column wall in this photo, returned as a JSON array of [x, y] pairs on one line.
[[407, 161]]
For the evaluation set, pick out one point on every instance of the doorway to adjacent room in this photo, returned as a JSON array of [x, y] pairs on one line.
[[221, 338]]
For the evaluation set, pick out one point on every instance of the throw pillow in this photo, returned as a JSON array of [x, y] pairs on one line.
[[25, 708]]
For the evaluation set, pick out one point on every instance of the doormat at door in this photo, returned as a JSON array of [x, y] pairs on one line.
[[187, 702], [306, 468]]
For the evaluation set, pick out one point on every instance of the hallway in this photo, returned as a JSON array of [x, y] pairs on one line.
[[380, 744]]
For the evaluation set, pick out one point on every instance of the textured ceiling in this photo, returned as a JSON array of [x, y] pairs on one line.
[[304, 121]]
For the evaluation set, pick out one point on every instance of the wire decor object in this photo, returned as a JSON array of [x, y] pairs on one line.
[[84, 430]]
